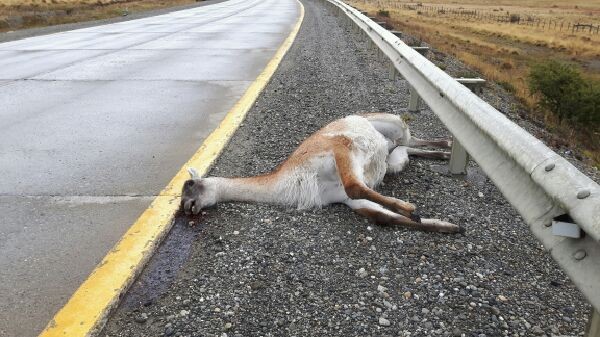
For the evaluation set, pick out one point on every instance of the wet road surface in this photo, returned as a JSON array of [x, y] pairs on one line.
[[94, 122]]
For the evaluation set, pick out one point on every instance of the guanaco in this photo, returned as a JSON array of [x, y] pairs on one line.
[[341, 163]]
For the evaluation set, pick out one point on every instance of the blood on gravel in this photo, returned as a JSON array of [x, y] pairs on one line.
[[264, 270]]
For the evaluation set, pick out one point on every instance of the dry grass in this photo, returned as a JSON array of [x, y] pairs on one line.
[[17, 14], [503, 52], [537, 4]]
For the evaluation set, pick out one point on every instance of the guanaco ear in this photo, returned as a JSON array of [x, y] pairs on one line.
[[193, 173]]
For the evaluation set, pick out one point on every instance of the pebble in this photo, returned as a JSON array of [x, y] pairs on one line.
[[362, 273], [537, 330], [495, 310], [141, 318], [384, 321]]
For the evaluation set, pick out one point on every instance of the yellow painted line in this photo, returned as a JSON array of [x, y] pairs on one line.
[[87, 310]]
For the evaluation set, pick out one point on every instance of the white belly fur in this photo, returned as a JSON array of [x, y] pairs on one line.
[[317, 183]]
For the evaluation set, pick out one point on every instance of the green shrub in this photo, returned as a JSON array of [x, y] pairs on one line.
[[508, 86], [566, 93], [383, 12]]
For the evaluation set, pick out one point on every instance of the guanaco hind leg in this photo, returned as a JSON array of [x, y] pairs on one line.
[[441, 143], [381, 216], [428, 154]]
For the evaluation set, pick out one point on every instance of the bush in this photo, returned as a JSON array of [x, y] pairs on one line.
[[514, 18], [566, 93], [508, 86], [384, 13]]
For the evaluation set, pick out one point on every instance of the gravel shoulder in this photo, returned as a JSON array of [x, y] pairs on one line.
[[263, 270]]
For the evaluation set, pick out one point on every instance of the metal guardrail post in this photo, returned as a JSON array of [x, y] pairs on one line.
[[474, 84], [593, 328], [397, 33], [459, 158], [422, 50], [414, 102], [382, 24], [393, 72]]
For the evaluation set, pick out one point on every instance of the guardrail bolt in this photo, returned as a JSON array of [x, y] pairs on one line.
[[549, 167], [579, 255], [582, 194]]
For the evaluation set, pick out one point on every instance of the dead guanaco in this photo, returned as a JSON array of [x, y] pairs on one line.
[[341, 163]]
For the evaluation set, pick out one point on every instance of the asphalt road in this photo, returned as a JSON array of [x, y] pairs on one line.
[[94, 122]]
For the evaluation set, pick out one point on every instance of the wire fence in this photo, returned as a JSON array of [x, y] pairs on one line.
[[505, 17]]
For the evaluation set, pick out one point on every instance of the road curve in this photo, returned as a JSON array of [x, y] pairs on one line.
[[95, 122]]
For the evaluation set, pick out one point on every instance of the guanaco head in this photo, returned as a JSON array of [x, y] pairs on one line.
[[197, 194]]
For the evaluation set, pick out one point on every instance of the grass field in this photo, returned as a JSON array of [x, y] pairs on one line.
[[502, 51], [18, 14]]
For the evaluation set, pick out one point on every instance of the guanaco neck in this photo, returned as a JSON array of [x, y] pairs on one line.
[[252, 189]]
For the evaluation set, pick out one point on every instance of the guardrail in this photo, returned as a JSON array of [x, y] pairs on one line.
[[556, 200]]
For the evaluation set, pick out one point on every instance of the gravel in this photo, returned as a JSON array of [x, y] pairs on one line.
[[263, 270]]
